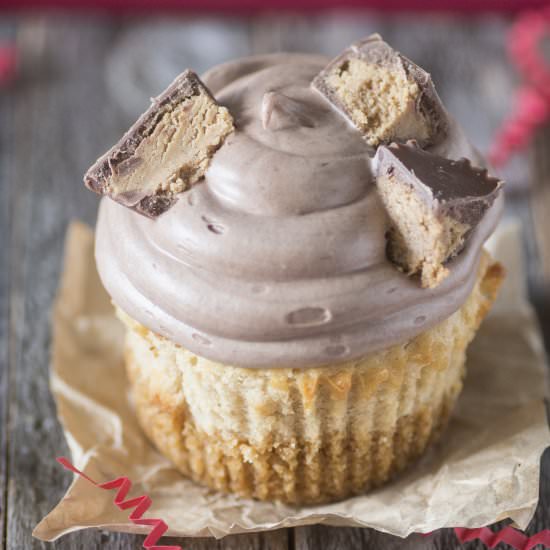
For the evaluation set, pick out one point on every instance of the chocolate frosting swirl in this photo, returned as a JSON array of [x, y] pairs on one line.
[[278, 258]]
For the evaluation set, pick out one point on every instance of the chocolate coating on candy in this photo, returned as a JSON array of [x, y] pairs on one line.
[[453, 186], [384, 94], [165, 151], [434, 203]]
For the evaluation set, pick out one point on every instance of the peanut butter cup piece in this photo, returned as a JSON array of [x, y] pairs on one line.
[[384, 95], [433, 204], [167, 150]]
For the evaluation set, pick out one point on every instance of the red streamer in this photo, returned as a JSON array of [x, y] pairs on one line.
[[140, 505], [532, 109], [508, 535]]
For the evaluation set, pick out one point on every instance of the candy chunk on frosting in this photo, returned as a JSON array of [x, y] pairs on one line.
[[166, 151], [383, 94], [433, 203]]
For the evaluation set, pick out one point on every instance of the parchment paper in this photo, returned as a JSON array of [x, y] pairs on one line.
[[485, 469]]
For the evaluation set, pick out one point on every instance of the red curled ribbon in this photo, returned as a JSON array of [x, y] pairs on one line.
[[532, 104], [508, 535], [140, 505]]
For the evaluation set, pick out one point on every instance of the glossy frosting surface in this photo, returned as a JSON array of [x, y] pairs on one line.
[[278, 257]]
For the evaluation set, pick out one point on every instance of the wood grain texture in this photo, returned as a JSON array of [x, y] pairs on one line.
[[61, 116], [541, 206], [6, 153], [538, 206], [45, 176]]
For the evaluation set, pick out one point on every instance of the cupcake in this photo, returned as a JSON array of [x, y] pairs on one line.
[[299, 280]]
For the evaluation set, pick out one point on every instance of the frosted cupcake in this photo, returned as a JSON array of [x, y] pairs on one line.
[[299, 282]]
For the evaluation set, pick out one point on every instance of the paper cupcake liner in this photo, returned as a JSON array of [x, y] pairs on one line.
[[339, 462]]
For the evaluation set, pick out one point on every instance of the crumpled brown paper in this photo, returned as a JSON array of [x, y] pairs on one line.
[[485, 469]]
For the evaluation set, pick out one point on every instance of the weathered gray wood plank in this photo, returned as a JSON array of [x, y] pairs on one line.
[[274, 540], [330, 538], [539, 284], [6, 153], [541, 204], [59, 62]]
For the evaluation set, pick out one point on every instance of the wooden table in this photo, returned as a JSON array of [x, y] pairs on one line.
[[62, 112]]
